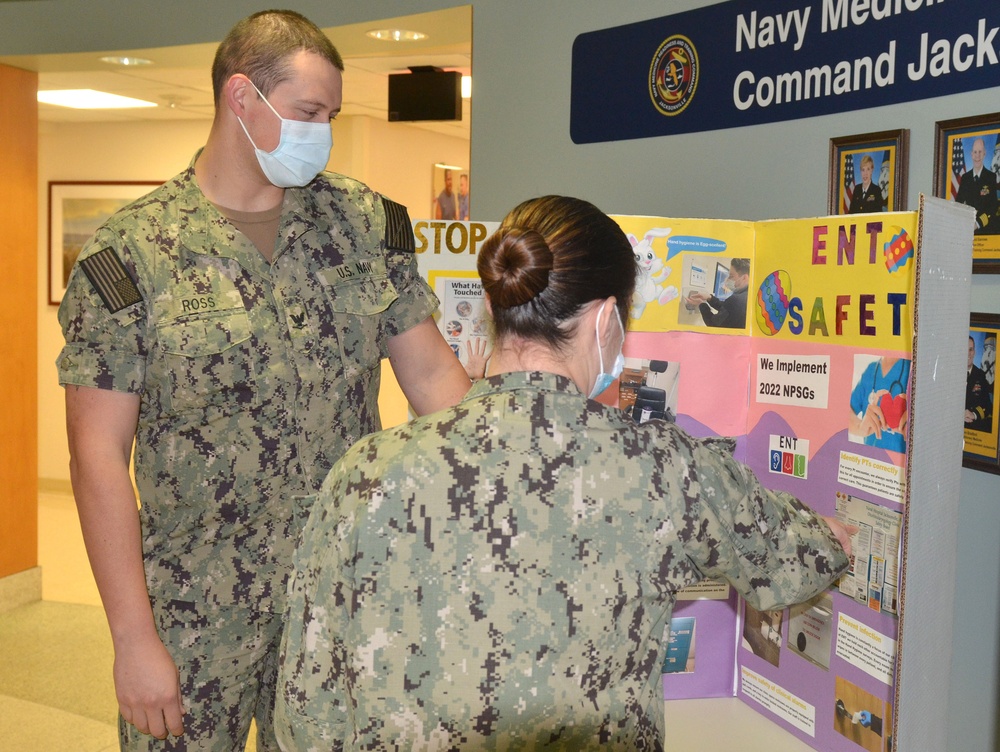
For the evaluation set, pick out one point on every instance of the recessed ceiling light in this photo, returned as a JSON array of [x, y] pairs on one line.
[[120, 60], [88, 99], [397, 35]]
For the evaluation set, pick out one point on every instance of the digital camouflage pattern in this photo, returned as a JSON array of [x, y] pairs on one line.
[[500, 575], [254, 377], [225, 686]]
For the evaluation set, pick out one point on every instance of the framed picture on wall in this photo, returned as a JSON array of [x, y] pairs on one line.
[[450, 195], [868, 172], [982, 409], [966, 166], [76, 210]]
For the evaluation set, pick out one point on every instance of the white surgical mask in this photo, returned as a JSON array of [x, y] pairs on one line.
[[303, 150], [604, 380]]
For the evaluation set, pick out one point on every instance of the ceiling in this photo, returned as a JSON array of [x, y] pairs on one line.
[[180, 83]]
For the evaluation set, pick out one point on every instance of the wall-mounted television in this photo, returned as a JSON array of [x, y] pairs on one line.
[[425, 93]]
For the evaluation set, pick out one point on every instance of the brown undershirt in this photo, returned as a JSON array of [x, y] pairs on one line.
[[261, 227]]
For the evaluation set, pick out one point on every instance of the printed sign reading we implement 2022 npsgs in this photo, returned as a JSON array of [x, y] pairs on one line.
[[747, 62]]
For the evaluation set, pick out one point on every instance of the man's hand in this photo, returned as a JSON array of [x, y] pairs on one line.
[[148, 687]]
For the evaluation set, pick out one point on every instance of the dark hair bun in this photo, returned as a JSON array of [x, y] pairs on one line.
[[514, 265]]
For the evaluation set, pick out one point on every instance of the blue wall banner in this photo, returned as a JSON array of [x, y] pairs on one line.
[[747, 62]]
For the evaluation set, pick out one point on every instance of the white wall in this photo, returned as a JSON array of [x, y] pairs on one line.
[[91, 152], [395, 159]]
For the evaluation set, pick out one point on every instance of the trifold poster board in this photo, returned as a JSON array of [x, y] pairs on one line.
[[813, 380], [809, 361]]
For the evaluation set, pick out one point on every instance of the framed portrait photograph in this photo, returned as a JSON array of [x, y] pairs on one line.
[[450, 194], [982, 416], [76, 210], [966, 166], [868, 172]]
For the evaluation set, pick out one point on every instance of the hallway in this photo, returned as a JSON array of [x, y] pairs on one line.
[[56, 691], [56, 688]]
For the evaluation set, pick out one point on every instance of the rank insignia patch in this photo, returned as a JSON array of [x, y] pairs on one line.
[[398, 230], [111, 279]]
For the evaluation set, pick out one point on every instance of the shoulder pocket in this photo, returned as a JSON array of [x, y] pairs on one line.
[[358, 293], [360, 287]]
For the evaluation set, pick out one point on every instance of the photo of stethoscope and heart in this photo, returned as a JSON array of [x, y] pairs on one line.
[[892, 402]]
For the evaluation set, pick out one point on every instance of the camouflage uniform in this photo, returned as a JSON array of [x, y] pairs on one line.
[[500, 575], [254, 378]]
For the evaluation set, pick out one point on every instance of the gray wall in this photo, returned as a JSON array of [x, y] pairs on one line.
[[521, 147]]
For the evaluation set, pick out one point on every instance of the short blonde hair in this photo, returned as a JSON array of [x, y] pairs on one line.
[[260, 47]]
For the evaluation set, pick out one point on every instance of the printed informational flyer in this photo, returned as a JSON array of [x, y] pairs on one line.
[[866, 648], [810, 630], [446, 258], [681, 648], [873, 575], [463, 318]]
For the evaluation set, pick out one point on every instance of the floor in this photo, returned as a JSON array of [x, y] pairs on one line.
[[57, 695], [56, 690]]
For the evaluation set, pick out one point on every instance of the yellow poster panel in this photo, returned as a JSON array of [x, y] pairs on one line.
[[685, 276], [845, 280]]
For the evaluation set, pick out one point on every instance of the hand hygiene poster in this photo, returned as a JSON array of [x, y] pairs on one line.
[[446, 257], [795, 338]]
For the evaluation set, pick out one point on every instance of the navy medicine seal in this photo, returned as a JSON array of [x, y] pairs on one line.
[[673, 75]]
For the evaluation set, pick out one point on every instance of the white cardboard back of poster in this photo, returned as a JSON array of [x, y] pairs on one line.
[[923, 664]]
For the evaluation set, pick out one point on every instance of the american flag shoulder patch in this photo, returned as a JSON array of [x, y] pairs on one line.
[[398, 230], [111, 279]]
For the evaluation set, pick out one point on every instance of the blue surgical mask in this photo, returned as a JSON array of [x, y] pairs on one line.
[[604, 380], [303, 150]]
